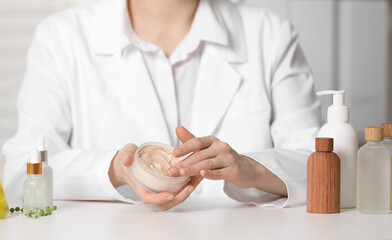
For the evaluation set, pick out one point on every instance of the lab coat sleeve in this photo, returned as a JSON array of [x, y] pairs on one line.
[[43, 110], [295, 122]]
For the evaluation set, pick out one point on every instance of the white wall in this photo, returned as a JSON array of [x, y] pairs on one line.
[[18, 19], [346, 44]]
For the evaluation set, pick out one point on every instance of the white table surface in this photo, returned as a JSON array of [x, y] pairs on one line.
[[197, 218]]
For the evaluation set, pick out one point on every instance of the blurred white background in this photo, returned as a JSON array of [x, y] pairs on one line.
[[346, 43]]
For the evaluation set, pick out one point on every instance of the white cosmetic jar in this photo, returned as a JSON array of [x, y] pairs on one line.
[[151, 180]]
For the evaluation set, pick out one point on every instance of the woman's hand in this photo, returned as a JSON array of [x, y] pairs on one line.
[[119, 175], [215, 160]]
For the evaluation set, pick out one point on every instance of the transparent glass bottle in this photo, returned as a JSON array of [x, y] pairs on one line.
[[47, 172], [387, 143], [47, 176], [373, 187], [34, 185]]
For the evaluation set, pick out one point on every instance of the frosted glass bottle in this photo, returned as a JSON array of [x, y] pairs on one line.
[[387, 143], [34, 185], [47, 172], [373, 186], [33, 193], [47, 176]]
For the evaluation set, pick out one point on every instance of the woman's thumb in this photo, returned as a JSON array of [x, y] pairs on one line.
[[127, 160]]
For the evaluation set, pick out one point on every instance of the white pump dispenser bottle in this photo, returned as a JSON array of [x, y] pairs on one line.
[[345, 145]]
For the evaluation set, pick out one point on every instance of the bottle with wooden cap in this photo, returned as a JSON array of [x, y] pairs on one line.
[[374, 164], [34, 185], [387, 143], [323, 188]]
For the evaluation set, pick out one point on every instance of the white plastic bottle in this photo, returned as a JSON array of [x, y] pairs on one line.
[[387, 143], [47, 172], [34, 185], [374, 164], [345, 145]]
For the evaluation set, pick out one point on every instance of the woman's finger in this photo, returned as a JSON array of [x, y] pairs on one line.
[[183, 194], [217, 174], [183, 134], [206, 164], [191, 160], [192, 145], [155, 198]]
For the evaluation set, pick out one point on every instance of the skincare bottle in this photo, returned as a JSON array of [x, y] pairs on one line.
[[3, 200], [345, 146], [387, 143], [374, 166], [47, 172], [34, 185], [323, 188]]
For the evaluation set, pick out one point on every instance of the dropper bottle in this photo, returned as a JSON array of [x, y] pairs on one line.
[[34, 185], [47, 172]]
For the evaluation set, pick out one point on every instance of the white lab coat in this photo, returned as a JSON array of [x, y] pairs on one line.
[[89, 94]]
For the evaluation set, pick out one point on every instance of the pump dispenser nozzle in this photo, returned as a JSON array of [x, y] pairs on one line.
[[337, 112]]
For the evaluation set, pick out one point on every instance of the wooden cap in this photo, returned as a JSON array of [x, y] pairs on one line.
[[373, 134], [324, 144], [387, 128]]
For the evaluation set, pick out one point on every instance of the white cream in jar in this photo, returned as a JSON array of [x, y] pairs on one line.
[[149, 168], [157, 158]]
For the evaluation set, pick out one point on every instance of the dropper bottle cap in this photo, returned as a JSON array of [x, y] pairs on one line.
[[373, 134], [337, 112], [34, 165], [42, 150]]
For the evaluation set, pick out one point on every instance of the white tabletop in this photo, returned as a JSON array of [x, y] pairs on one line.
[[197, 218]]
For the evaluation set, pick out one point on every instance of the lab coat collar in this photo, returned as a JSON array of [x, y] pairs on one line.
[[220, 25], [208, 26]]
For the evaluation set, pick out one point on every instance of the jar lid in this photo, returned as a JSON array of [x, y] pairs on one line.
[[324, 144]]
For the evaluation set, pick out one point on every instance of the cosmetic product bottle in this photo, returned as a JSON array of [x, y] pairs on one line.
[[47, 172], [374, 166], [34, 185], [345, 146], [387, 143], [323, 178], [3, 200]]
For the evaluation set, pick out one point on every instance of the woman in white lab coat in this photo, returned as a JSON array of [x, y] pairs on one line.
[[113, 72]]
